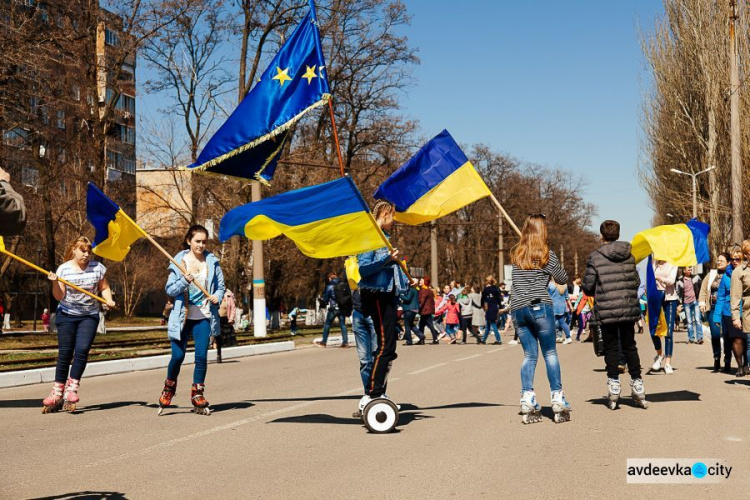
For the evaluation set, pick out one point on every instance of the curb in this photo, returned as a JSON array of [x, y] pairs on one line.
[[46, 375]]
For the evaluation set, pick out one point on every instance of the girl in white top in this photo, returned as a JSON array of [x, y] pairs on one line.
[[76, 320], [666, 277]]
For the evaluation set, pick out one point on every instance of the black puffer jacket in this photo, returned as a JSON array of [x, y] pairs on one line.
[[611, 278]]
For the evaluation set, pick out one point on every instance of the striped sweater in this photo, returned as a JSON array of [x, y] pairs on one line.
[[531, 284]]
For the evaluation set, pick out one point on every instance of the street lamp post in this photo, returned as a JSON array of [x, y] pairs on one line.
[[36, 292], [695, 186]]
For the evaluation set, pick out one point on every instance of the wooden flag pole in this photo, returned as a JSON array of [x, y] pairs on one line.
[[505, 214], [336, 136], [166, 254], [46, 273]]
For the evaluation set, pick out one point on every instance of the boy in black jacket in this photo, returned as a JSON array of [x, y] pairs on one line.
[[612, 279]]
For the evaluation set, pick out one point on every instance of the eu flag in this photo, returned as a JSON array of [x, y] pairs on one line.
[[249, 143]]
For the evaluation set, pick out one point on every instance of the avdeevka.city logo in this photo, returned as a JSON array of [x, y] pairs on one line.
[[677, 470]]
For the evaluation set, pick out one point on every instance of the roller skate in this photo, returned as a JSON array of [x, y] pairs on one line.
[[54, 401], [200, 404], [170, 388], [71, 395], [560, 406], [613, 396], [638, 393], [530, 410]]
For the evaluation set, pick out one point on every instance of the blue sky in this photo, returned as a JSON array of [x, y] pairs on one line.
[[548, 82]]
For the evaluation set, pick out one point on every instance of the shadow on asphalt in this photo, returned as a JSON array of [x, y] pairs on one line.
[[239, 405], [92, 495], [657, 397], [111, 406], [22, 403], [314, 398], [404, 418], [737, 382]]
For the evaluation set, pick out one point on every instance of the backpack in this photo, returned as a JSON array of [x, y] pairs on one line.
[[342, 295]]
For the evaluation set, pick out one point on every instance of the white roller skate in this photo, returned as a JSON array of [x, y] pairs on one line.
[[530, 410], [638, 393], [613, 396], [560, 406]]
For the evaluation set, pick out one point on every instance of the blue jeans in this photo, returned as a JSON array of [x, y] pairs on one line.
[[487, 326], [367, 342], [670, 312], [409, 317], [535, 325], [451, 330], [561, 323], [501, 319], [200, 329], [694, 323], [330, 316], [75, 334]]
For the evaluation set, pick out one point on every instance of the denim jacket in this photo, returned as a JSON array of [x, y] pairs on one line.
[[381, 274], [177, 287], [723, 306]]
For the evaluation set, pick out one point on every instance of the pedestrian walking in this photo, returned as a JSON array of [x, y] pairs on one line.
[[740, 307], [559, 295], [76, 321], [45, 320], [478, 319], [666, 277], [226, 323], [410, 306], [467, 315], [533, 316], [708, 303], [612, 279], [452, 311], [688, 290], [426, 297], [193, 314], [334, 311], [491, 303]]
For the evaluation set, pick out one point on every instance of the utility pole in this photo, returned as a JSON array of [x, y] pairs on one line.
[[576, 264], [259, 285], [734, 107], [433, 254], [500, 254], [562, 256]]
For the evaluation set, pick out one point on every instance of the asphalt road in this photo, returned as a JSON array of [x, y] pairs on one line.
[[282, 428]]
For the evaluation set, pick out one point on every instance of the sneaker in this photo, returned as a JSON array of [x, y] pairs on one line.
[[421, 342], [513, 342], [559, 340], [657, 363], [568, 341], [740, 372], [319, 343], [497, 342], [700, 341], [344, 346], [363, 402], [435, 341], [668, 369]]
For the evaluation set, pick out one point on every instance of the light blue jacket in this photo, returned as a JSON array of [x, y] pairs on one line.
[[378, 272], [723, 307], [177, 287]]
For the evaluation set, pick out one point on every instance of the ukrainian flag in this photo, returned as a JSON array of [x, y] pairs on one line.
[[655, 319], [2, 244], [437, 181], [679, 244], [324, 221], [115, 231]]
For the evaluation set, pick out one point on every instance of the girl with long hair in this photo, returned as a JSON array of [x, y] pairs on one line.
[[193, 314], [534, 264]]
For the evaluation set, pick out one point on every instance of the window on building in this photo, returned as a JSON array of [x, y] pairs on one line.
[[45, 115], [113, 175], [76, 92], [128, 70], [128, 166], [43, 14], [126, 103], [111, 38], [34, 105], [29, 176], [113, 159], [17, 137], [60, 119], [127, 134], [110, 96]]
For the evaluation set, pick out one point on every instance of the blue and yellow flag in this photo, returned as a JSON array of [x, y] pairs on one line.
[[115, 231], [324, 221], [679, 244], [249, 143], [655, 319], [435, 182]]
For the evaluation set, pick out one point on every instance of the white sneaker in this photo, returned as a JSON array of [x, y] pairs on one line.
[[568, 341], [363, 402], [668, 368], [513, 342], [657, 363]]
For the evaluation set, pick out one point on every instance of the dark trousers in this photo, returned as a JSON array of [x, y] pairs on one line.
[[409, 317], [381, 307], [427, 320], [616, 334], [75, 334]]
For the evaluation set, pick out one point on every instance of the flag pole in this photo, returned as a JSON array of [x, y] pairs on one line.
[[166, 254], [387, 242], [505, 214], [336, 135], [46, 273]]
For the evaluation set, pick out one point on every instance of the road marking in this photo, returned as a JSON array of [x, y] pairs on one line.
[[208, 432], [469, 357], [496, 350], [732, 438], [427, 369]]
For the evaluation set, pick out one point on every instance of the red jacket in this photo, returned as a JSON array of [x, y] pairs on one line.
[[426, 302], [453, 313]]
